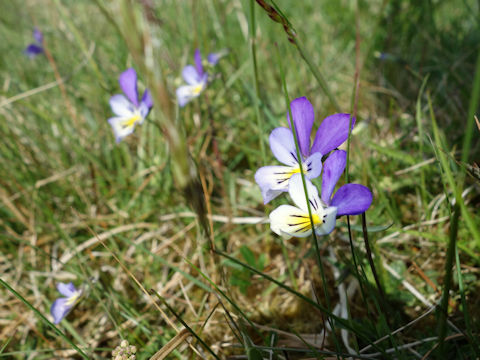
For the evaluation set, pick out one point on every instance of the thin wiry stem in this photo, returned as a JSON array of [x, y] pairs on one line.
[[302, 175], [253, 56], [443, 314], [370, 258], [276, 15]]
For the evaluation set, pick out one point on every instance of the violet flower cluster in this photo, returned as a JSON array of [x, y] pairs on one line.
[[35, 48], [349, 199], [196, 78]]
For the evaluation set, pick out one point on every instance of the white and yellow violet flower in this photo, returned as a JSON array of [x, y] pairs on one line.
[[294, 221], [196, 79], [128, 110]]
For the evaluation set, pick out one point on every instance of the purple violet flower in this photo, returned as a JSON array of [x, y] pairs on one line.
[[35, 48], [129, 111], [196, 79], [332, 132], [350, 199], [213, 58], [62, 306]]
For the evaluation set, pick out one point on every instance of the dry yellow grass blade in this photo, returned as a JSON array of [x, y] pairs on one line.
[[171, 345]]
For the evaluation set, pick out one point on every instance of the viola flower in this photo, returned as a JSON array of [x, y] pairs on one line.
[[62, 306], [196, 79], [350, 199], [332, 132], [129, 111], [35, 48], [213, 58]]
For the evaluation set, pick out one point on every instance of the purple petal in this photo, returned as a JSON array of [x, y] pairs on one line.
[[128, 83], [59, 309], [352, 199], [190, 75], [198, 62], [66, 289], [333, 131], [147, 99], [144, 110], [283, 146], [38, 36], [33, 50], [303, 117], [213, 58], [332, 170]]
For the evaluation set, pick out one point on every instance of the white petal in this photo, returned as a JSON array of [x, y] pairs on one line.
[[282, 145], [273, 180], [329, 219], [190, 75], [313, 165], [121, 106], [288, 221], [143, 110], [120, 127], [186, 93], [297, 193]]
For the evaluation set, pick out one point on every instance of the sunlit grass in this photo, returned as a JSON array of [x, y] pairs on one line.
[[175, 204]]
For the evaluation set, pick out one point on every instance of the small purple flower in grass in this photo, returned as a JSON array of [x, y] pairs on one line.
[[62, 306], [36, 48], [332, 132], [128, 110], [350, 199], [214, 58], [196, 79]]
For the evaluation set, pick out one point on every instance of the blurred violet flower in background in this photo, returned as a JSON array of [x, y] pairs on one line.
[[36, 48], [213, 58], [332, 132], [196, 79], [62, 306], [128, 110]]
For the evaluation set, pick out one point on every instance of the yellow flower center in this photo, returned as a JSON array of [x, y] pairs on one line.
[[302, 222], [131, 121], [72, 299], [197, 89]]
